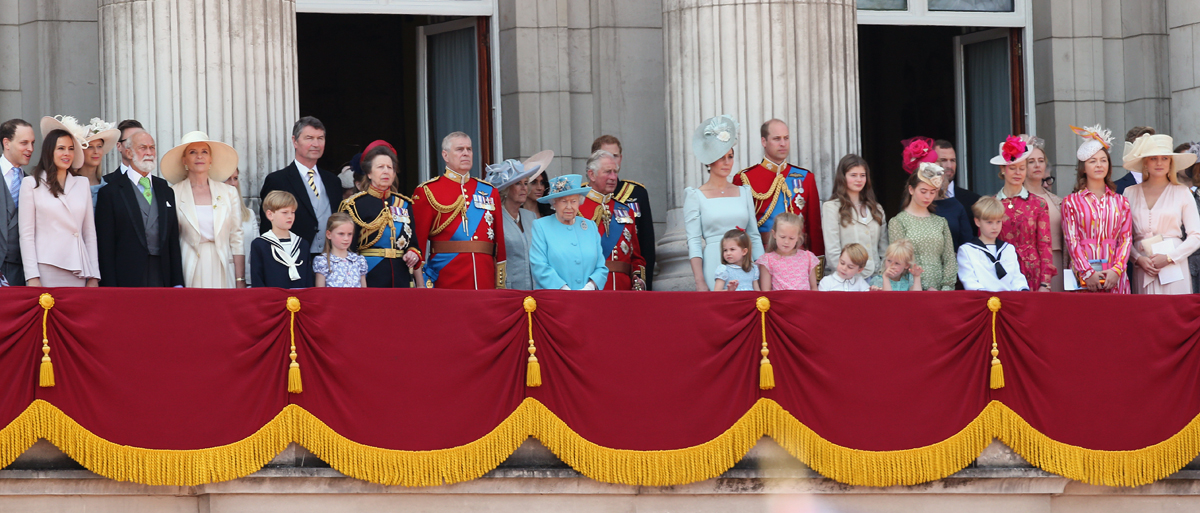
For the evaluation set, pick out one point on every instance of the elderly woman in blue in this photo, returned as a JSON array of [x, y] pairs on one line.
[[566, 252]]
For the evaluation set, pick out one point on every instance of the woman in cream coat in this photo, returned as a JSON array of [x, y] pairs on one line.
[[210, 214]]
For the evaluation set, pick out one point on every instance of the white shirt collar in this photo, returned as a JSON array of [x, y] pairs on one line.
[[950, 189], [1024, 194], [133, 175], [126, 169], [1137, 176], [303, 169], [5, 168]]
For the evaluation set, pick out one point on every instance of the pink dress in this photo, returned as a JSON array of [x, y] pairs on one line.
[[1097, 229], [789, 273], [1028, 230], [1174, 209]]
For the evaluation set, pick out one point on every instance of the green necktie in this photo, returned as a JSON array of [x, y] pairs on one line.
[[144, 182]]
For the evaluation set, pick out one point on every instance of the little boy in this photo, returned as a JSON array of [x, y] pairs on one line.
[[280, 258], [988, 263], [847, 279]]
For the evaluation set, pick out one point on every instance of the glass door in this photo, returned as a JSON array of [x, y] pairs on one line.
[[989, 105]]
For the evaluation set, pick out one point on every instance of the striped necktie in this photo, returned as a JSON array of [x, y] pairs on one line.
[[312, 182]]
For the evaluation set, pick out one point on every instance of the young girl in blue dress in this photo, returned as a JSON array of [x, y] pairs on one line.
[[738, 271]]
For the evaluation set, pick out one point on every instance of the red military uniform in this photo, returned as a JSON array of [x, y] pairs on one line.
[[457, 216], [618, 231], [785, 188]]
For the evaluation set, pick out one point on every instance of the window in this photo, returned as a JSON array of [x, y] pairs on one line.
[[883, 5], [969, 5]]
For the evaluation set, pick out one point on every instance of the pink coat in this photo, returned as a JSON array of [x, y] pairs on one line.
[[58, 231]]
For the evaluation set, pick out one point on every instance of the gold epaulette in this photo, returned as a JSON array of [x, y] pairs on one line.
[[349, 202], [489, 184], [626, 191], [635, 183], [394, 193], [429, 181]]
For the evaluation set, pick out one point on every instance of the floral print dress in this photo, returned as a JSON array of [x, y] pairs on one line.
[[1028, 230]]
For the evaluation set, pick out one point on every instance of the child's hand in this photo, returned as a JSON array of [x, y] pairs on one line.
[[876, 289], [732, 285], [916, 271]]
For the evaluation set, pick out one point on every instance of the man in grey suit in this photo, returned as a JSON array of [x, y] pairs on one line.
[[17, 137]]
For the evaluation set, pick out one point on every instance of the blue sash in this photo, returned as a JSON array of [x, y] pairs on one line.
[[474, 216], [385, 240], [609, 240], [795, 185]]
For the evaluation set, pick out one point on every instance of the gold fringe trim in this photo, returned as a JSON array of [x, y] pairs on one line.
[[622, 466]]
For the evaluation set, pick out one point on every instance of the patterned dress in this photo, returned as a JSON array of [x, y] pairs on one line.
[[1097, 229], [341, 272], [1028, 230], [934, 247]]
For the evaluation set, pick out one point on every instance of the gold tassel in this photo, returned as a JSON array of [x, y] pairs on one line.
[[46, 372], [533, 371], [997, 379], [766, 374], [295, 386]]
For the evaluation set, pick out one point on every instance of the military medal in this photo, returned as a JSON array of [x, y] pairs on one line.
[[633, 207], [798, 200], [624, 246], [487, 216], [491, 234], [626, 234]]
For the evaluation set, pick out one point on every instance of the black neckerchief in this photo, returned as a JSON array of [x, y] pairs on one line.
[[1000, 272]]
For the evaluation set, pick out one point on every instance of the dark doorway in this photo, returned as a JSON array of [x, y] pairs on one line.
[[906, 82]]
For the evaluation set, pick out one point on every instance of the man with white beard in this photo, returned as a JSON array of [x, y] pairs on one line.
[[137, 226]]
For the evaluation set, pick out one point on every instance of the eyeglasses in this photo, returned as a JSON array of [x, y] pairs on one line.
[[1048, 182]]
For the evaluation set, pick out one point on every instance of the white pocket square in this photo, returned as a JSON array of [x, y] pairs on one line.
[[168, 204]]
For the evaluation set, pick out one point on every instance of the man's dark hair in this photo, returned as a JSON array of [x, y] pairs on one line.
[[8, 129], [943, 144], [126, 125], [606, 139], [1138, 131], [306, 121]]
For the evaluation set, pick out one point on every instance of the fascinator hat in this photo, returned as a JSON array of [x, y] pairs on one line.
[[714, 138], [931, 174], [1012, 150], [224, 159], [101, 130], [71, 126], [1095, 138], [1154, 146], [565, 185], [917, 150], [512, 171]]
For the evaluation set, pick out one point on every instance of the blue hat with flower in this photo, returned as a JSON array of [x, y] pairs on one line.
[[565, 185], [714, 138]]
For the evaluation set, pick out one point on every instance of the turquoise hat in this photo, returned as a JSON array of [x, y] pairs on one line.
[[714, 138], [565, 185]]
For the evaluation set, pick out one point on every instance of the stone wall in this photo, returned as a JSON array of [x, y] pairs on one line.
[[572, 70]]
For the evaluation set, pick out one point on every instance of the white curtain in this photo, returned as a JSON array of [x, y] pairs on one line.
[[453, 92], [989, 110]]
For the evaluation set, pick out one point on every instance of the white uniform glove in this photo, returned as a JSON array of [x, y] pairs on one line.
[[565, 287], [591, 285]]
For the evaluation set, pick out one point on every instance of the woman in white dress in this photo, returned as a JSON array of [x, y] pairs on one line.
[[210, 212], [717, 206]]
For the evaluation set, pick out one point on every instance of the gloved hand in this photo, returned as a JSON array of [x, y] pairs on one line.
[[591, 285], [565, 287]]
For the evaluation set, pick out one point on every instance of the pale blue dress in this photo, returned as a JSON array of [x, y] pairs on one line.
[[566, 254], [707, 219]]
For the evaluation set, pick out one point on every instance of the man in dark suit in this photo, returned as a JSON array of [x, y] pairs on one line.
[[1131, 178], [18, 138], [319, 192], [637, 198], [137, 227], [948, 159]]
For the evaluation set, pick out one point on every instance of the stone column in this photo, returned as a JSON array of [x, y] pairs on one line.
[[1183, 24], [755, 60], [227, 67]]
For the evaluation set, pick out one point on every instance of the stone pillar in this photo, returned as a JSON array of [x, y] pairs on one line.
[[1183, 20], [787, 59], [47, 60], [227, 67]]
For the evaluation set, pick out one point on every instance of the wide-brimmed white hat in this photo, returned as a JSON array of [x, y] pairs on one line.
[[101, 130], [1153, 146], [224, 159], [1012, 150], [70, 125]]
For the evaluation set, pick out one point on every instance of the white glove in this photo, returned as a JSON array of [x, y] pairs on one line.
[[591, 285], [565, 287]]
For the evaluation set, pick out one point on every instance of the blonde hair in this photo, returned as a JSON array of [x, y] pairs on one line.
[[277, 200], [743, 241], [335, 220], [988, 208], [794, 220], [901, 250], [857, 253]]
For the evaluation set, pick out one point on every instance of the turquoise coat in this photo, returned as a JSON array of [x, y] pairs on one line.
[[563, 254]]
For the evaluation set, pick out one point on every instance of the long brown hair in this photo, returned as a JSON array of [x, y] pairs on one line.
[[46, 171], [1081, 176], [841, 191]]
